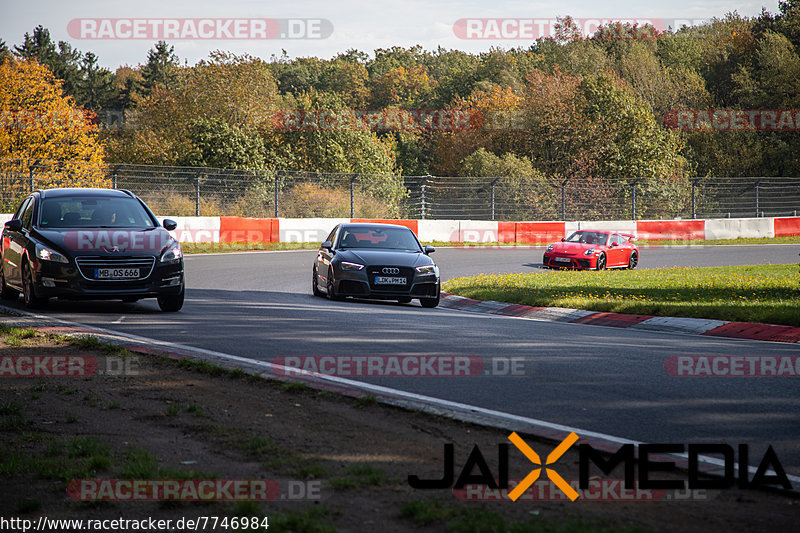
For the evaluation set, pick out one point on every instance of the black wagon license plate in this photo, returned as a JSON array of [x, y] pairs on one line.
[[116, 273]]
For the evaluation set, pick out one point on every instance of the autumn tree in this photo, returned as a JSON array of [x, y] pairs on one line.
[[494, 124], [238, 91], [403, 87], [349, 80], [40, 124]]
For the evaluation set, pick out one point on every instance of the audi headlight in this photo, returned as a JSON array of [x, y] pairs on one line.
[[349, 267], [48, 254], [172, 254], [550, 248], [426, 269], [590, 251]]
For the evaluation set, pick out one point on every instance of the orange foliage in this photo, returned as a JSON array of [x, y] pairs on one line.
[[38, 123]]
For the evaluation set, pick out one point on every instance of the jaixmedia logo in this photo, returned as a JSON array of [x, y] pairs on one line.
[[650, 459]]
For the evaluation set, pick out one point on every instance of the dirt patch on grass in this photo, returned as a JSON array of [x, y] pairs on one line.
[[145, 417]]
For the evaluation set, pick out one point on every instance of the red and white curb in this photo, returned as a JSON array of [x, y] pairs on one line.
[[691, 326]]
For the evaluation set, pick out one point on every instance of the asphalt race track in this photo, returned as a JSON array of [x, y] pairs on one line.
[[608, 380]]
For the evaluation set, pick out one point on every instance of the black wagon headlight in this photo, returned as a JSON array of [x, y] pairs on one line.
[[172, 254], [48, 254]]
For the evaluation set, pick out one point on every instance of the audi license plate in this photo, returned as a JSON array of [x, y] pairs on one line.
[[562, 260], [382, 280], [116, 273]]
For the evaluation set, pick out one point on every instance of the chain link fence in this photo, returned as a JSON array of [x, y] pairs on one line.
[[188, 191]]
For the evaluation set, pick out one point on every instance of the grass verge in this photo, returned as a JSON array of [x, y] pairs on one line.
[[223, 247], [753, 293]]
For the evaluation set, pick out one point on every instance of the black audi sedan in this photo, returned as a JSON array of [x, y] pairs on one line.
[[382, 261], [90, 244]]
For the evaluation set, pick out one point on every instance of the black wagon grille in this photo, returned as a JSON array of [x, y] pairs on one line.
[[88, 265]]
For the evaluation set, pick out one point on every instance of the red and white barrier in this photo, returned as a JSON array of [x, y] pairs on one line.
[[733, 228], [314, 230]]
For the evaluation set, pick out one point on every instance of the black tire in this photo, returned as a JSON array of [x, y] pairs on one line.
[[633, 260], [329, 287], [404, 300], [171, 303], [431, 302], [32, 301], [6, 292], [314, 288], [601, 262]]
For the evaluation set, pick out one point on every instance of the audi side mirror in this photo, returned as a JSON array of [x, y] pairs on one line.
[[429, 249], [169, 225], [326, 245]]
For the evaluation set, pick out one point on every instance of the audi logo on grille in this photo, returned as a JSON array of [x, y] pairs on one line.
[[390, 270]]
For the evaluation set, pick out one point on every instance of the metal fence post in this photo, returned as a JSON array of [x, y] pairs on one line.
[[564, 199], [352, 195], [114, 177], [197, 195], [493, 184], [694, 188], [277, 177], [422, 197], [633, 197], [31, 170], [757, 184]]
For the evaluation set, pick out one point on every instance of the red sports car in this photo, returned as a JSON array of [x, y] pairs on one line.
[[593, 249]]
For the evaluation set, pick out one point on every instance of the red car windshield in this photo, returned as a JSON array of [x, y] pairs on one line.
[[588, 237]]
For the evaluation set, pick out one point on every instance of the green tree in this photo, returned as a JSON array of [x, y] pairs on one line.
[[221, 145], [300, 75], [522, 192], [5, 53], [95, 88], [62, 60], [161, 69]]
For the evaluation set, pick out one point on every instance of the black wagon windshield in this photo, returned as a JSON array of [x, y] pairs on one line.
[[379, 238], [93, 212]]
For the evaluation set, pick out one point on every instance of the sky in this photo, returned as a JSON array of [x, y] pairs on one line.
[[121, 33]]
